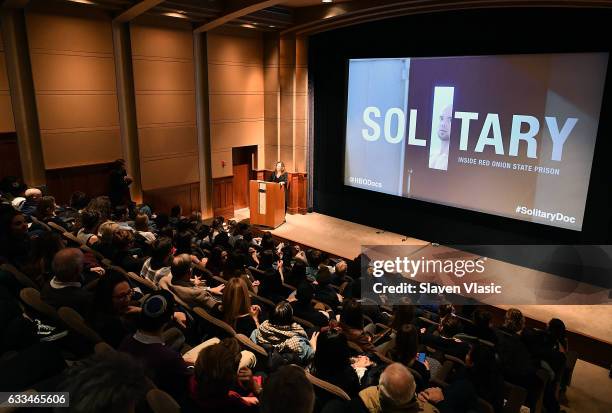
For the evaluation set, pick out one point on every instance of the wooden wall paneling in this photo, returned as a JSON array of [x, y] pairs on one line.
[[91, 179], [164, 86], [10, 164], [162, 200], [241, 185], [297, 193], [223, 197], [7, 123], [74, 78]]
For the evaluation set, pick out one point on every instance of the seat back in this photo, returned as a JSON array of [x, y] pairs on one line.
[[247, 344], [147, 285], [263, 301], [161, 402], [56, 227], [515, 397], [484, 406], [327, 387], [215, 327], [40, 223], [304, 323], [75, 322], [72, 240], [31, 297], [20, 277]]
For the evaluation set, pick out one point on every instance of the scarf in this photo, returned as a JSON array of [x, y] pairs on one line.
[[282, 338]]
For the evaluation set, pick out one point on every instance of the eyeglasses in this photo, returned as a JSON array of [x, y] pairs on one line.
[[124, 295]]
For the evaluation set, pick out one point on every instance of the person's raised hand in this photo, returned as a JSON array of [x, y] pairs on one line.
[[218, 290]]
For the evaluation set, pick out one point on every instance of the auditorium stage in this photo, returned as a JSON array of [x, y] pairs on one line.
[[344, 239]]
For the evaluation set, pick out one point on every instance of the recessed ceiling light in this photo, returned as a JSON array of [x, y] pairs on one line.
[[271, 26], [83, 1], [327, 1], [248, 26], [175, 14]]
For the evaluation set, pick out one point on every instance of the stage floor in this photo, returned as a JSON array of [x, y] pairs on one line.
[[344, 239]]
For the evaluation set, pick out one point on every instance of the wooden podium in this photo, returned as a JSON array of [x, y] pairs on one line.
[[267, 203]]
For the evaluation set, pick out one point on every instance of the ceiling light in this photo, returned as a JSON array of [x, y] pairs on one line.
[[83, 1], [271, 26], [175, 14], [248, 26], [327, 1]]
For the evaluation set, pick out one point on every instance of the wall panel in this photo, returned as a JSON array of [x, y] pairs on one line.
[[164, 84], [7, 123], [236, 99], [74, 80]]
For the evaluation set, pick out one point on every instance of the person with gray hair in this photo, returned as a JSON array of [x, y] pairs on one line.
[[65, 289], [395, 393]]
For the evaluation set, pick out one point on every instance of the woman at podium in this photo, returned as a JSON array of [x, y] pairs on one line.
[[280, 176]]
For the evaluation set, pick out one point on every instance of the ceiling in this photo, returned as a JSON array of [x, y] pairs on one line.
[[301, 17]]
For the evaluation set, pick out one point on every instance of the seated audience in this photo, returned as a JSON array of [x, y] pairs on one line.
[[304, 309], [395, 393], [191, 289], [38, 264], [237, 309], [163, 365], [88, 234], [141, 225], [352, 325], [32, 199], [271, 278], [106, 382], [482, 327], [15, 241], [297, 274], [45, 212], [65, 289], [219, 385], [284, 335], [105, 246], [324, 292], [115, 315], [287, 390], [157, 265], [125, 256], [403, 349], [480, 378], [445, 340], [332, 362], [183, 245]]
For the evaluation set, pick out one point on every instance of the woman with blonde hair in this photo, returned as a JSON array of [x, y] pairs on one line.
[[237, 309], [104, 246]]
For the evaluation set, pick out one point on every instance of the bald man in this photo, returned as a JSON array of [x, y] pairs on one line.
[[65, 288], [394, 393], [440, 160], [32, 198]]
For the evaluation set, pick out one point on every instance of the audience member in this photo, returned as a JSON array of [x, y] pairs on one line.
[[163, 365], [237, 309], [88, 234], [158, 264], [304, 309], [332, 362], [219, 386], [65, 289], [106, 382], [395, 393], [284, 335], [287, 390], [190, 288]]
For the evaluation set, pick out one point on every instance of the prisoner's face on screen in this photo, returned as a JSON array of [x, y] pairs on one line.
[[444, 127]]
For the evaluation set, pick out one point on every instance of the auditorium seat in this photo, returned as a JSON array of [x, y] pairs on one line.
[[76, 324], [214, 326], [31, 297]]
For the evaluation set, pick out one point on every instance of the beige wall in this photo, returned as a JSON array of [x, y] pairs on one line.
[[236, 95], [164, 84], [7, 123], [74, 79]]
